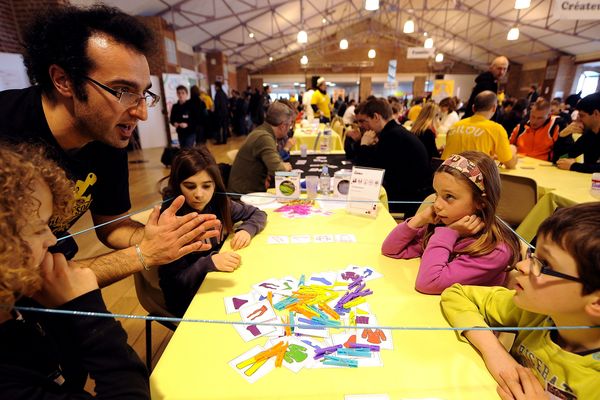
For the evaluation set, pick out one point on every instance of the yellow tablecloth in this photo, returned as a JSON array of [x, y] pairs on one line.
[[556, 188], [423, 364], [308, 137]]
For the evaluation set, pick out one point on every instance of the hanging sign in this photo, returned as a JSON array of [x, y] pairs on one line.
[[576, 9], [419, 52]]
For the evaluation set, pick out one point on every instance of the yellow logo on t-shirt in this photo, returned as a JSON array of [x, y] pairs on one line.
[[82, 203]]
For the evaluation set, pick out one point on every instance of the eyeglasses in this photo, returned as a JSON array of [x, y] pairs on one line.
[[537, 267], [128, 99]]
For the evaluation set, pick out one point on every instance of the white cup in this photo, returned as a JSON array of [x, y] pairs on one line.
[[303, 150], [312, 184]]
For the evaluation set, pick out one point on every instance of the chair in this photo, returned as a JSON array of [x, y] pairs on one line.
[[435, 163], [337, 124], [151, 298], [519, 196]]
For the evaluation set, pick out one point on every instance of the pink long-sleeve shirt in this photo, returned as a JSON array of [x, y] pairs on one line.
[[437, 270]]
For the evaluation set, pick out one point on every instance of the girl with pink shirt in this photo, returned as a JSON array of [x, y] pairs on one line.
[[458, 237]]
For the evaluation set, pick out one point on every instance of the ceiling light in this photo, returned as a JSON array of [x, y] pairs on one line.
[[358, 82], [409, 26], [324, 20], [343, 44], [372, 53], [425, 34], [522, 4], [303, 85], [270, 58], [428, 43], [439, 57], [513, 34], [304, 60], [371, 5], [251, 35], [302, 37]]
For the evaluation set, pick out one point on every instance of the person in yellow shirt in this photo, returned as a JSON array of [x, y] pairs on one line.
[[480, 134], [415, 109], [557, 287], [205, 97], [320, 101]]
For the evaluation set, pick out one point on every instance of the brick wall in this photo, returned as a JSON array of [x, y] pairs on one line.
[[15, 15]]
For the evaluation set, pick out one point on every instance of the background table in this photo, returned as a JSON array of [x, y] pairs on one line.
[[308, 137], [556, 188], [423, 364]]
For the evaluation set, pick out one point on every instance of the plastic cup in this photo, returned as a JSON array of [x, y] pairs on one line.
[[312, 184], [303, 150]]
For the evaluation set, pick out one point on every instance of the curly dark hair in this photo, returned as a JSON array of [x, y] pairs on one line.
[[60, 36], [20, 168]]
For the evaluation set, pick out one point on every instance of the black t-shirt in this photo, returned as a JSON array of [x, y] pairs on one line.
[[100, 172]]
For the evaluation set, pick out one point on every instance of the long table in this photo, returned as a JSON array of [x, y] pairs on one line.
[[423, 364], [556, 188]]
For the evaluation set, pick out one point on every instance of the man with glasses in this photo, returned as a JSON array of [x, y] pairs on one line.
[[556, 289], [91, 87], [258, 158]]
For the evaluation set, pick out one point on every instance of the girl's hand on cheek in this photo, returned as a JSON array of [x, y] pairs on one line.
[[469, 225], [240, 240], [425, 217]]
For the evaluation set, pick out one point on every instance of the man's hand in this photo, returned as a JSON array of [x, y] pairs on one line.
[[565, 163], [524, 386], [573, 127], [468, 225], [61, 282], [168, 237], [227, 261], [369, 138], [240, 240], [354, 134], [291, 142]]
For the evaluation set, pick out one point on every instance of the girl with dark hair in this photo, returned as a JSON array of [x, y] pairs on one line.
[[195, 175], [458, 238]]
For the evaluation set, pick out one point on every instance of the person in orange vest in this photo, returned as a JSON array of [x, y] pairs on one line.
[[536, 137]]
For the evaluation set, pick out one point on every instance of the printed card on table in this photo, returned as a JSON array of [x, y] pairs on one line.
[[345, 238], [367, 273], [376, 336], [326, 238], [269, 285], [234, 303], [300, 239], [298, 354], [251, 332], [288, 285], [322, 279], [346, 338], [261, 311], [278, 240], [252, 371]]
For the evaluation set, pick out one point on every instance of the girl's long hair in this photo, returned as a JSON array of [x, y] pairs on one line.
[[494, 232], [426, 118], [188, 162]]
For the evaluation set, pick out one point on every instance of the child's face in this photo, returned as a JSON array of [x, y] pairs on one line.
[[36, 232], [454, 198], [198, 190], [545, 294]]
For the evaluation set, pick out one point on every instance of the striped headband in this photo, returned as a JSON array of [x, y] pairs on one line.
[[467, 168]]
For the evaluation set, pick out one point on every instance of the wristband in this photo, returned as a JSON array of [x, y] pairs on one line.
[[141, 257]]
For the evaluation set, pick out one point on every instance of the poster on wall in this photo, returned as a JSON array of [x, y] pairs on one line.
[[442, 88], [12, 72]]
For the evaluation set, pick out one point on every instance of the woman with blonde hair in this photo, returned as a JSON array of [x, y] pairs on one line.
[[425, 127]]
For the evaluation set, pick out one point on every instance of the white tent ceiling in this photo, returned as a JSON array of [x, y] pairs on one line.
[[472, 31]]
